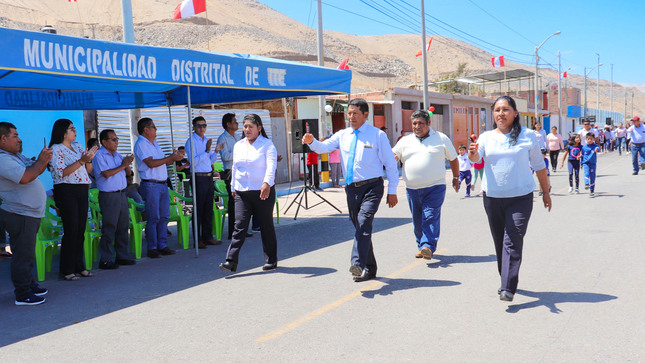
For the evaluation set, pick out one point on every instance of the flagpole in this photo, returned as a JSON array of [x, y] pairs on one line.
[[424, 55], [559, 92], [208, 36]]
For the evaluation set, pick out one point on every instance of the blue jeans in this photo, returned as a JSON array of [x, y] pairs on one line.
[[590, 175], [425, 205], [620, 141], [157, 214], [637, 149]]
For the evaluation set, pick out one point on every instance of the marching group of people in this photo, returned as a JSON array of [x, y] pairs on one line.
[[512, 155]]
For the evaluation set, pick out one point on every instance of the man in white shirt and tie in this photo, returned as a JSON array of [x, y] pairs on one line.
[[364, 151], [203, 166]]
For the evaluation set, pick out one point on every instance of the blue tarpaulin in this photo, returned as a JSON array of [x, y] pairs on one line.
[[41, 71]]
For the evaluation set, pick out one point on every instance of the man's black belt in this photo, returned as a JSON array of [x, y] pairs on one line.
[[204, 174], [359, 184], [116, 191], [638, 143], [154, 181]]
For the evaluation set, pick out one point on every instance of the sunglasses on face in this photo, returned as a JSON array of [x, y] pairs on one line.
[[199, 126]]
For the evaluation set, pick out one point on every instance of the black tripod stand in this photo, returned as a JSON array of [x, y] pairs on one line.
[[303, 194]]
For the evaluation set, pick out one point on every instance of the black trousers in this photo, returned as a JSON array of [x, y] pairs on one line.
[[205, 195], [72, 203], [508, 219], [553, 154], [314, 177], [226, 176], [114, 226], [363, 203], [246, 204], [22, 237]]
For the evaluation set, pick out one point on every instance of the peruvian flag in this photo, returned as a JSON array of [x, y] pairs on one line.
[[69, 1], [189, 8], [498, 61], [564, 75], [420, 53], [343, 64]]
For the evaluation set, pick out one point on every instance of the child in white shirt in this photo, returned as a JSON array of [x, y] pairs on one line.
[[464, 168]]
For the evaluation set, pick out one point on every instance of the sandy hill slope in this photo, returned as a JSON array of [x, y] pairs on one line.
[[247, 26]]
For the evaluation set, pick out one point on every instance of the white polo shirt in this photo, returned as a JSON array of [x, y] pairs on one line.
[[424, 162]]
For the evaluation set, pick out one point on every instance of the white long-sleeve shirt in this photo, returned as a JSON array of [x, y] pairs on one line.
[[253, 164]]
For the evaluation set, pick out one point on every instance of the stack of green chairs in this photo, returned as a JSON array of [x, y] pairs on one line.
[[48, 239], [136, 228], [177, 215], [217, 167], [92, 236], [220, 211]]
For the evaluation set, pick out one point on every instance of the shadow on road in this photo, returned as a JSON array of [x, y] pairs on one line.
[[71, 302], [308, 271], [449, 260], [392, 285], [549, 299]]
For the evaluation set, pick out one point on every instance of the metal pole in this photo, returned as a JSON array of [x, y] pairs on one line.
[[321, 99], [584, 110], [536, 84], [598, 86], [128, 37], [611, 90], [192, 175], [559, 92], [424, 55]]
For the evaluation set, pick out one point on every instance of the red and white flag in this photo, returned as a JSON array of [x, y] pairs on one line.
[[189, 8], [564, 75], [420, 53], [498, 61], [69, 1], [343, 64]]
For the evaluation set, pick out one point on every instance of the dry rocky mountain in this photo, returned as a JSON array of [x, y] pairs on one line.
[[247, 26]]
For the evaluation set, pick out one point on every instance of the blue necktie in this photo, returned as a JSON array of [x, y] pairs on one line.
[[350, 159]]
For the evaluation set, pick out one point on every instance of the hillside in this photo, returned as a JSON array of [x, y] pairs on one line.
[[247, 26]]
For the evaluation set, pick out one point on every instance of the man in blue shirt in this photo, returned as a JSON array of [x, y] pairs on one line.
[[225, 143], [364, 151], [23, 204], [203, 160], [636, 133], [152, 169], [110, 169]]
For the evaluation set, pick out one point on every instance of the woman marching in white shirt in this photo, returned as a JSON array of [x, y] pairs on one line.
[[253, 187]]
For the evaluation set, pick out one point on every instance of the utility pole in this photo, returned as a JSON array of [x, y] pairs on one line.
[[322, 118], [611, 91], [597, 87], [424, 55], [559, 92]]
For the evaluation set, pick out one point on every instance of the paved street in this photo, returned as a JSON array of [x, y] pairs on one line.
[[580, 299]]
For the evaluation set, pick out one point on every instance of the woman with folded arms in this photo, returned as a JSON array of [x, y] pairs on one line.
[[253, 187], [69, 167]]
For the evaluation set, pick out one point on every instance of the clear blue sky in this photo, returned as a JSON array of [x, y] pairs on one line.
[[614, 29]]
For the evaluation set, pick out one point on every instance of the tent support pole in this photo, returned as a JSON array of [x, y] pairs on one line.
[[172, 140], [192, 175]]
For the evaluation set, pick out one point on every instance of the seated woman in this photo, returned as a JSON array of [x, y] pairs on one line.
[[253, 188]]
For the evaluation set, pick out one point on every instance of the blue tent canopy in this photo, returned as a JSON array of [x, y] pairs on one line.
[[41, 71]]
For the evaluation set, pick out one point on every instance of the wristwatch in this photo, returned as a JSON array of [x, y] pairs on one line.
[[455, 178]]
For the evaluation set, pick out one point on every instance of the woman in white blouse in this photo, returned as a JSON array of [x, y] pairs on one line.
[[253, 187], [69, 167], [510, 151]]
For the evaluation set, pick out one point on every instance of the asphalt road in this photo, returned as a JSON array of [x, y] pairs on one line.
[[580, 299]]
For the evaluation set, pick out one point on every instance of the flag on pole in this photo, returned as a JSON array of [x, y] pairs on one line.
[[69, 1], [564, 75], [188, 8], [343, 64], [420, 53], [498, 61]]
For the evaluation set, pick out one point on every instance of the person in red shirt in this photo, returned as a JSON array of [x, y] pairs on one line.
[[312, 166]]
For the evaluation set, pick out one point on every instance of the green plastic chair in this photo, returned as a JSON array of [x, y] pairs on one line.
[[136, 228], [48, 239], [177, 215], [92, 236], [220, 211], [217, 167], [94, 196]]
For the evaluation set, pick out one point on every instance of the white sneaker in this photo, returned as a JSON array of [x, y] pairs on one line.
[[577, 191], [570, 190]]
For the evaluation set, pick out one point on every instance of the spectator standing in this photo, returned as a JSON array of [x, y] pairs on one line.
[[152, 169], [540, 136], [621, 132], [636, 133], [464, 169], [253, 187], [23, 205], [203, 159], [555, 145], [364, 151], [423, 156], [225, 143], [510, 151], [110, 170], [334, 166], [69, 167]]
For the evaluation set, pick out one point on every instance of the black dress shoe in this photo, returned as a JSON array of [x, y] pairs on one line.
[[108, 265], [249, 234], [228, 265], [154, 254], [366, 275], [269, 266], [125, 261], [167, 251]]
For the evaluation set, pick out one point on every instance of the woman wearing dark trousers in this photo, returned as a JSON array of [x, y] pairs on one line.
[[253, 187], [510, 151], [69, 167]]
